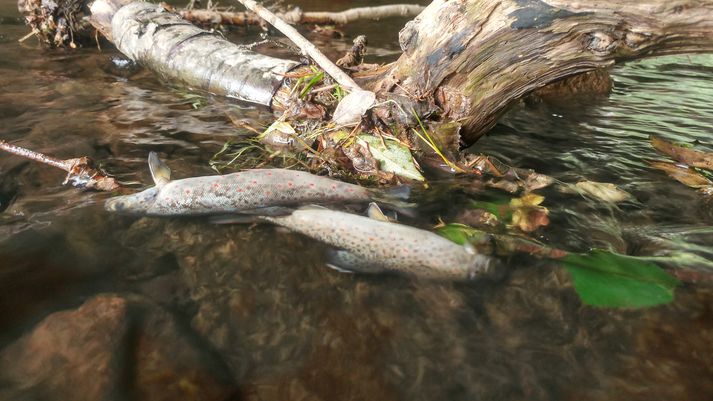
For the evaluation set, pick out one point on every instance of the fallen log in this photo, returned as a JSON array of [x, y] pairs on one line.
[[470, 59], [179, 51], [475, 58]]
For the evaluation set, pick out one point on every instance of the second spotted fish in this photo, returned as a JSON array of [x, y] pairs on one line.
[[258, 191]]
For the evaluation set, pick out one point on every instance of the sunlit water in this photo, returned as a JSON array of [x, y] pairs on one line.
[[285, 327]]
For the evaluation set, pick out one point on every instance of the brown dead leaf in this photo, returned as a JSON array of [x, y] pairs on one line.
[[530, 218], [685, 175], [362, 160], [688, 156], [604, 191], [479, 218], [505, 185]]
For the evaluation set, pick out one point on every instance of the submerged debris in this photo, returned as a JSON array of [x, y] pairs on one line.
[[80, 171], [694, 168]]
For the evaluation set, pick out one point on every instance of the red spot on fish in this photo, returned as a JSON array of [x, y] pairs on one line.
[[350, 189], [254, 182], [371, 238], [290, 184], [269, 173], [268, 193], [188, 191], [216, 185], [334, 186], [240, 190], [311, 185]]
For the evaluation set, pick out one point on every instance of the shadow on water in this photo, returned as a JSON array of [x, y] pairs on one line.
[[251, 312]]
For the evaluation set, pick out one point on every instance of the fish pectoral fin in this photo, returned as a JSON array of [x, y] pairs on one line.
[[347, 262], [160, 172], [339, 269]]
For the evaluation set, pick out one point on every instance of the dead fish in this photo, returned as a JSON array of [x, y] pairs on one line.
[[369, 245], [258, 191]]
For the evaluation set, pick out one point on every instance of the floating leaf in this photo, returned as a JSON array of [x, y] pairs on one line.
[[682, 154], [604, 191], [606, 279], [527, 200], [392, 155], [685, 175], [527, 215]]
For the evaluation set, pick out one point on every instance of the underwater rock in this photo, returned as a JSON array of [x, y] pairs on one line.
[[113, 347]]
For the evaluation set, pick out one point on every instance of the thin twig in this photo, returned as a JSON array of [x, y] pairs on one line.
[[296, 16], [80, 172], [29, 35], [305, 45]]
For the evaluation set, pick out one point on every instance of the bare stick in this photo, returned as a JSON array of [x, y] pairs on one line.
[[305, 45], [362, 13], [80, 172], [296, 16]]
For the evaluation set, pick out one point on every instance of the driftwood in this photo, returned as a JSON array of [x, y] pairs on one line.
[[476, 57]]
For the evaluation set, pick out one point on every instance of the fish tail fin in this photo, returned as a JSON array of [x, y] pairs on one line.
[[401, 192], [396, 199]]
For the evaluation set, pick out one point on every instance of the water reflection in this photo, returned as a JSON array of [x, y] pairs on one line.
[[255, 311]]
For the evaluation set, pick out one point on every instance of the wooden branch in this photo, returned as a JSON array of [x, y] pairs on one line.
[[80, 172], [179, 51], [477, 57], [297, 16], [305, 45]]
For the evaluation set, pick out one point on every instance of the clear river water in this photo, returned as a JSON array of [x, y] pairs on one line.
[[258, 305]]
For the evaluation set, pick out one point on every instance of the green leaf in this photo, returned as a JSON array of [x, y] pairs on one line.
[[393, 158], [461, 234], [502, 211], [609, 280]]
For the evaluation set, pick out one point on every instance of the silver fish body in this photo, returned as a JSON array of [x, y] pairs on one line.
[[244, 191], [389, 246]]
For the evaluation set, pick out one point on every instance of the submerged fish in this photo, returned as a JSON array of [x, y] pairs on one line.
[[368, 245], [259, 191]]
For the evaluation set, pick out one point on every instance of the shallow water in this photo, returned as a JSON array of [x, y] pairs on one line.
[[282, 326]]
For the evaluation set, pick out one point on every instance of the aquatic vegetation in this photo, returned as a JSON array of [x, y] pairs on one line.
[[601, 278]]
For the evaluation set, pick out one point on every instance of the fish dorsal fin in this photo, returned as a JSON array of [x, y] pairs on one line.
[[160, 172], [374, 212]]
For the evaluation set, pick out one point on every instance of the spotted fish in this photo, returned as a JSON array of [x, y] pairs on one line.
[[370, 245], [258, 191]]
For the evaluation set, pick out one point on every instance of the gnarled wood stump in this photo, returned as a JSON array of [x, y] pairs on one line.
[[476, 57]]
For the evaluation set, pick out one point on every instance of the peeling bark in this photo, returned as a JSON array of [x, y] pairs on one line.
[[179, 51], [477, 57]]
